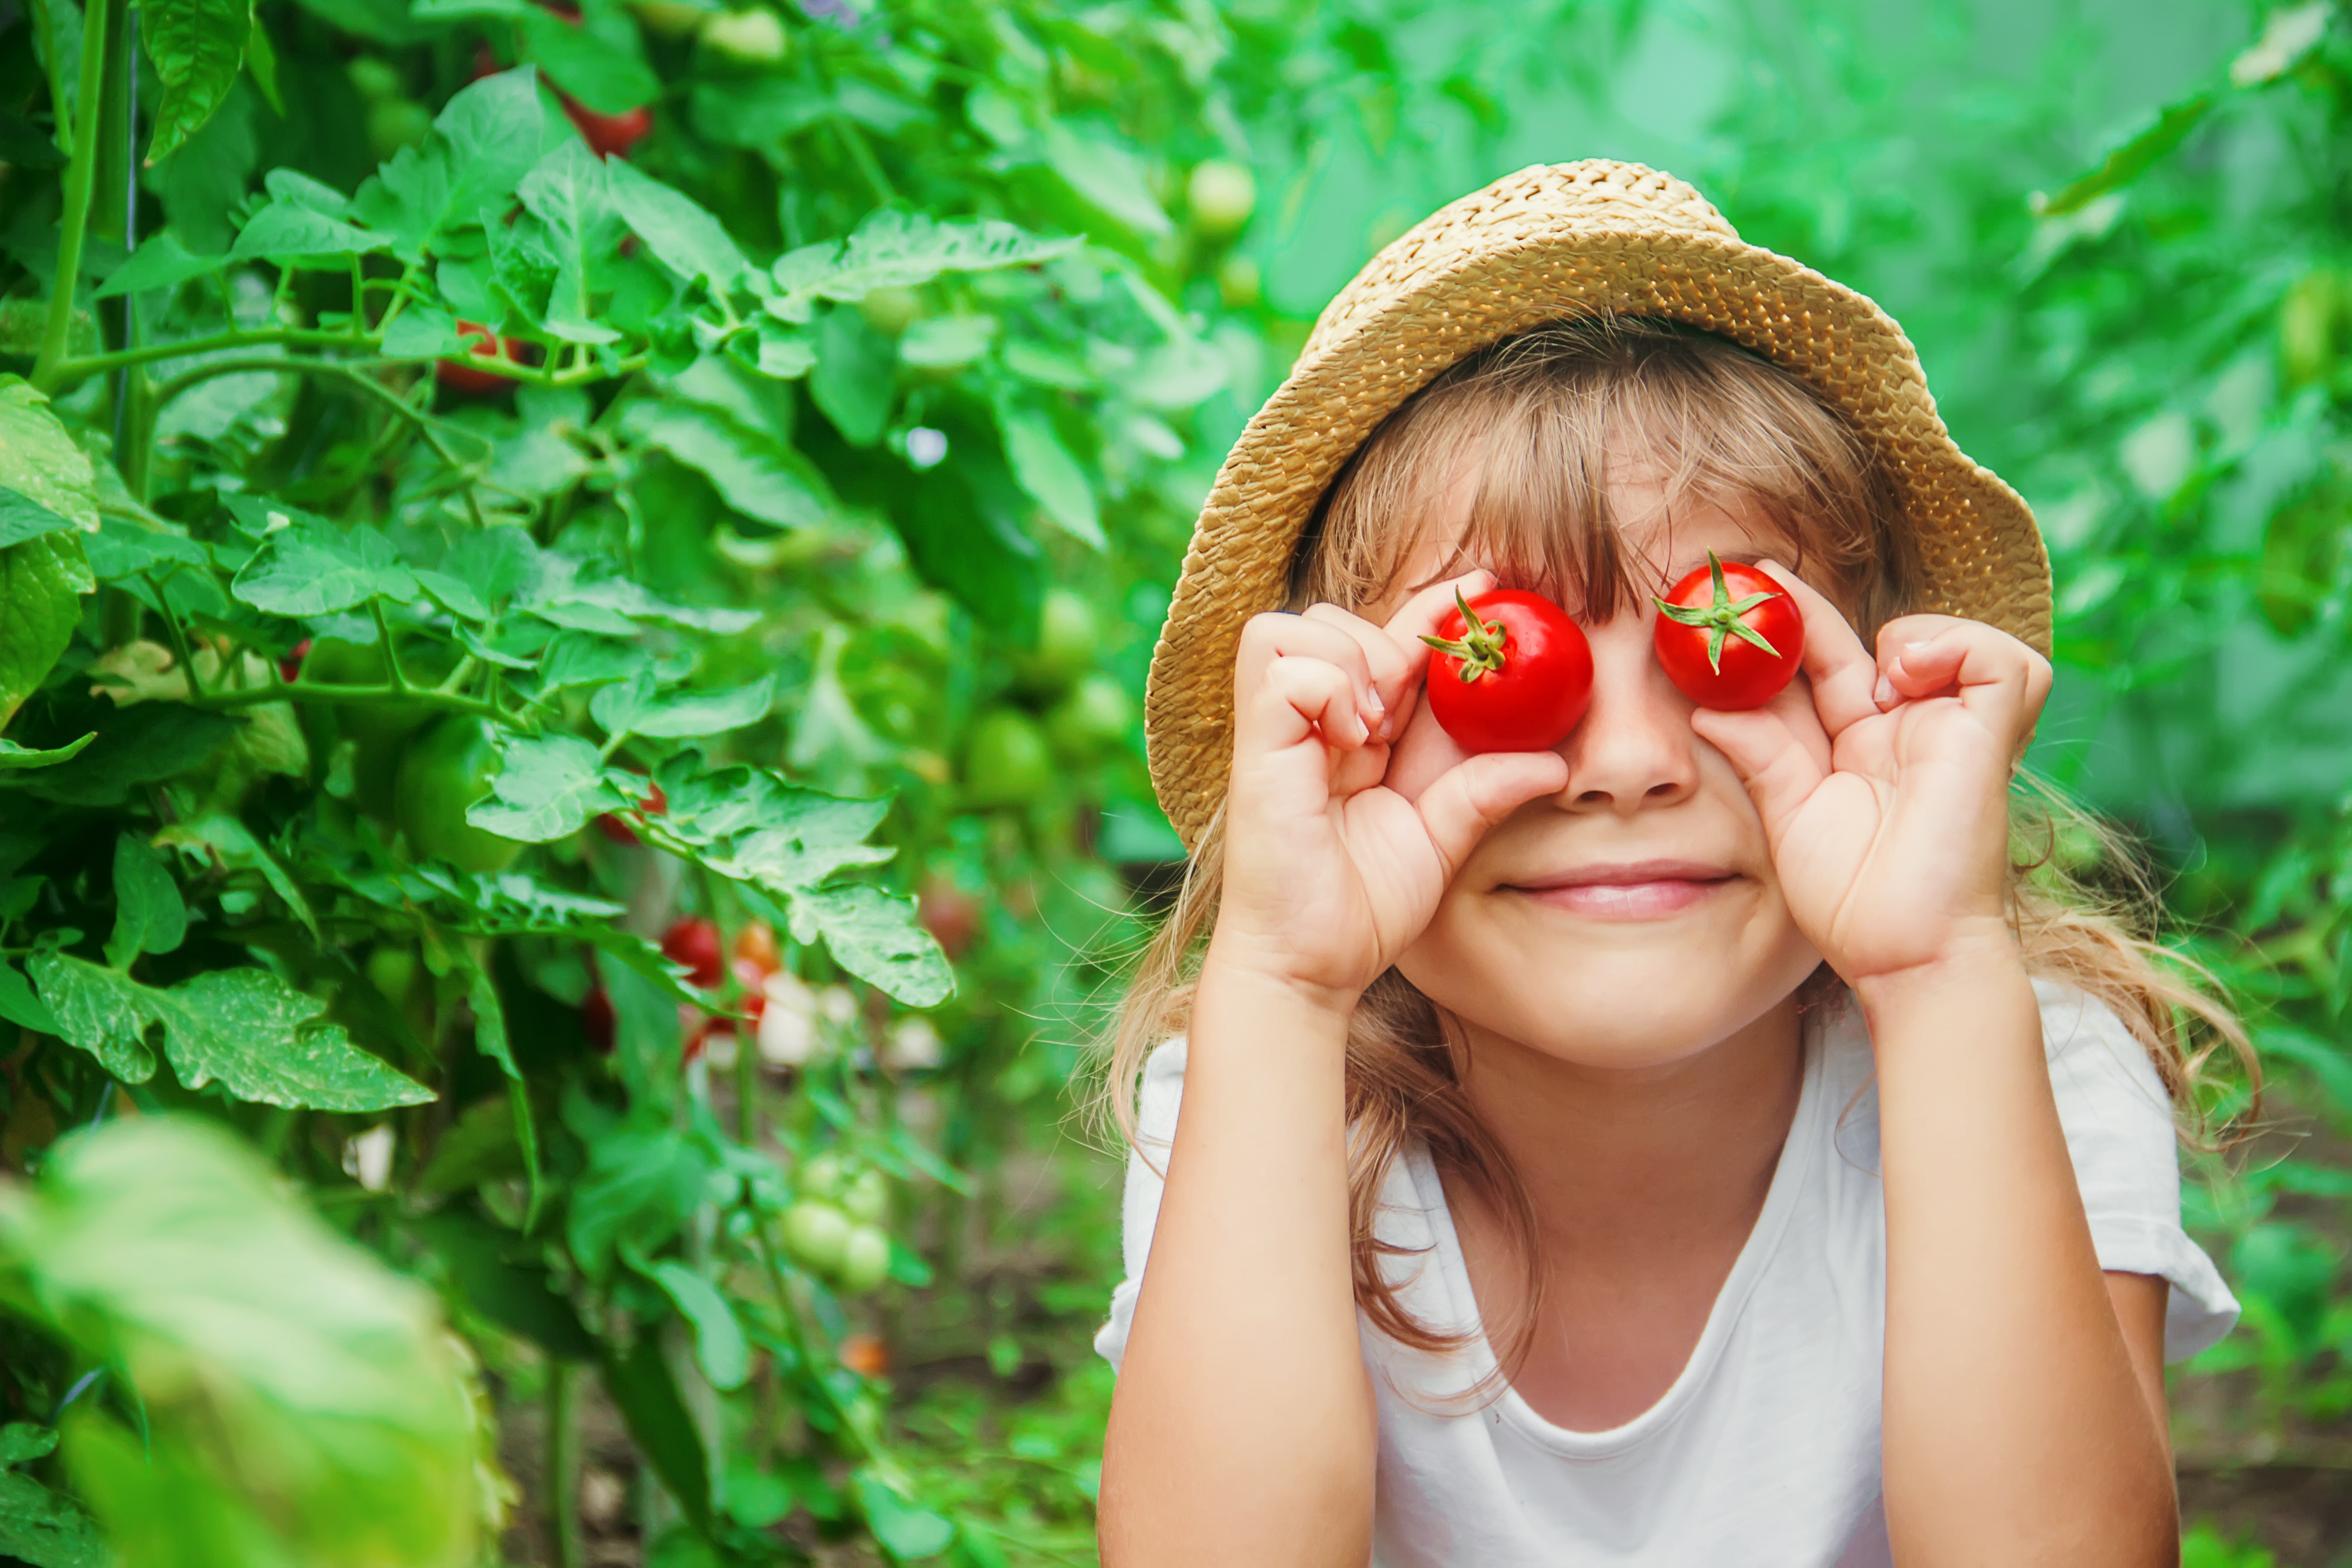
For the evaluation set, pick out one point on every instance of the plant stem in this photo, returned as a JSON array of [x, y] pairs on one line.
[[562, 1478], [77, 370], [73, 225], [45, 28]]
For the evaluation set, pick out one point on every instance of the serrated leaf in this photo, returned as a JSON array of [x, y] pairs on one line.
[[566, 192], [41, 584], [38, 459], [484, 139], [637, 708], [875, 936], [14, 758], [423, 331], [1044, 468], [316, 568], [44, 1529], [229, 844], [22, 518], [245, 1028], [162, 262], [547, 787], [577, 658], [287, 231], [719, 1347], [196, 47], [684, 237], [597, 57], [895, 249], [758, 476], [20, 1006]]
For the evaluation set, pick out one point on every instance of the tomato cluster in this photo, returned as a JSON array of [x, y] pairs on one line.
[[834, 1228], [1061, 712], [1511, 672]]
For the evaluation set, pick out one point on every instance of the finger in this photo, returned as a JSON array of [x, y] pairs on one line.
[[1476, 793], [1278, 636], [1319, 694], [1992, 674], [1779, 770], [1836, 663], [1383, 659], [1421, 615]]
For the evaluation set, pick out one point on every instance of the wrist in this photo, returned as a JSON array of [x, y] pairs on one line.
[[1981, 954], [1237, 966]]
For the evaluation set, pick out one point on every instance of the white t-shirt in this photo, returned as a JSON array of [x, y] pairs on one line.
[[1764, 1450]]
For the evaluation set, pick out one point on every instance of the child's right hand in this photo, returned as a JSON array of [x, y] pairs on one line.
[[1328, 874]]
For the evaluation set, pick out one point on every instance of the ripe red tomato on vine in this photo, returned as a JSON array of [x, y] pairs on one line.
[[1725, 651], [480, 344], [1511, 672], [694, 941]]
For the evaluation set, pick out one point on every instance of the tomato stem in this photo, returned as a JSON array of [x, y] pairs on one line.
[[1480, 645], [1722, 617]]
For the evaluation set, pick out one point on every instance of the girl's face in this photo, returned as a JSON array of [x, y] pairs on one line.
[[1633, 918]]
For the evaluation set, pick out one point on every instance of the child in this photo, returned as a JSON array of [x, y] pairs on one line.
[[1693, 1144]]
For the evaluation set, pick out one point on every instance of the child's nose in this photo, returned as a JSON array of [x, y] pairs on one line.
[[1634, 748]]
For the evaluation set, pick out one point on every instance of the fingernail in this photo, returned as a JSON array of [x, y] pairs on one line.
[[1379, 707], [1365, 731], [1883, 693], [1918, 647]]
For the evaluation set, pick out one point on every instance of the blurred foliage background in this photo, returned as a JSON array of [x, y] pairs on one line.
[[931, 492]]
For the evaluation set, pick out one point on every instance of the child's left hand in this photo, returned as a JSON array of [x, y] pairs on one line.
[[1885, 793]]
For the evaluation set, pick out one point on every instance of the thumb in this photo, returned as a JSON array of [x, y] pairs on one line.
[[1477, 792], [1779, 770]]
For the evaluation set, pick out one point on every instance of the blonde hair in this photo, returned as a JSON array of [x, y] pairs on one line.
[[1545, 415]]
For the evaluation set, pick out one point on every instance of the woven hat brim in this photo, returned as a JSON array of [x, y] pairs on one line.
[[1982, 555]]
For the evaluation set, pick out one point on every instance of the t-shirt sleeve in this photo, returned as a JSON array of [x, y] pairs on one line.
[[1146, 1168], [2120, 1131]]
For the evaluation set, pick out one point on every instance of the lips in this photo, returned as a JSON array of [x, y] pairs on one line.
[[1627, 890]]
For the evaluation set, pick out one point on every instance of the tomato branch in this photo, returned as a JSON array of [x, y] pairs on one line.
[[73, 226]]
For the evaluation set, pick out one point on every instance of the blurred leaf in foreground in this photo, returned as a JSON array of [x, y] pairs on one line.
[[304, 1407]]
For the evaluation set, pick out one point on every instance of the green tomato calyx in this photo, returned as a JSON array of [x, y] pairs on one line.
[[1721, 618], [1479, 648]]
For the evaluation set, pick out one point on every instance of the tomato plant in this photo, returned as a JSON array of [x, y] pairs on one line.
[[1729, 637], [1508, 671]]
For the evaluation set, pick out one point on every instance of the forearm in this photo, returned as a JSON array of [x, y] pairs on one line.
[[2015, 1430], [1242, 1431]]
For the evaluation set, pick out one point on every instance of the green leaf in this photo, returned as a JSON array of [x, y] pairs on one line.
[[287, 231], [22, 518], [121, 547], [547, 787], [226, 841], [20, 1006], [261, 61], [241, 1327], [245, 1028], [565, 191], [645, 1392], [38, 459], [162, 262], [724, 1354], [636, 709], [150, 742], [149, 914], [44, 1529], [1046, 470], [895, 249], [1108, 177], [313, 568], [14, 758], [484, 141], [904, 1530], [947, 343], [642, 1185], [41, 584], [196, 47], [2133, 158], [875, 936], [22, 1442], [684, 237], [494, 1272], [597, 58], [423, 331], [758, 476], [856, 379]]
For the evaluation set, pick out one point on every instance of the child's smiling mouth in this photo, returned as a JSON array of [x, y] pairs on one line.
[[1627, 889]]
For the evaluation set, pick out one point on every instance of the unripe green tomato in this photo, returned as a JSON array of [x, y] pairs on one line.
[[754, 37], [817, 1236], [332, 661], [1092, 718], [373, 79], [392, 969], [1240, 283], [868, 1201], [2308, 328], [1066, 641], [864, 1260], [891, 312], [668, 18], [822, 1176], [396, 123], [1222, 194], [1007, 762], [445, 770]]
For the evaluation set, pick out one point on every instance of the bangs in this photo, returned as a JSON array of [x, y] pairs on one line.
[[1539, 441]]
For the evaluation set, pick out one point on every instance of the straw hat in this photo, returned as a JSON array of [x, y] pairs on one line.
[[1549, 243]]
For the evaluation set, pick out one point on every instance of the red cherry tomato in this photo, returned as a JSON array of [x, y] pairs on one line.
[[1729, 637], [694, 941], [1511, 672], [480, 344], [755, 944], [608, 135], [291, 667], [951, 915], [597, 1019], [615, 826]]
